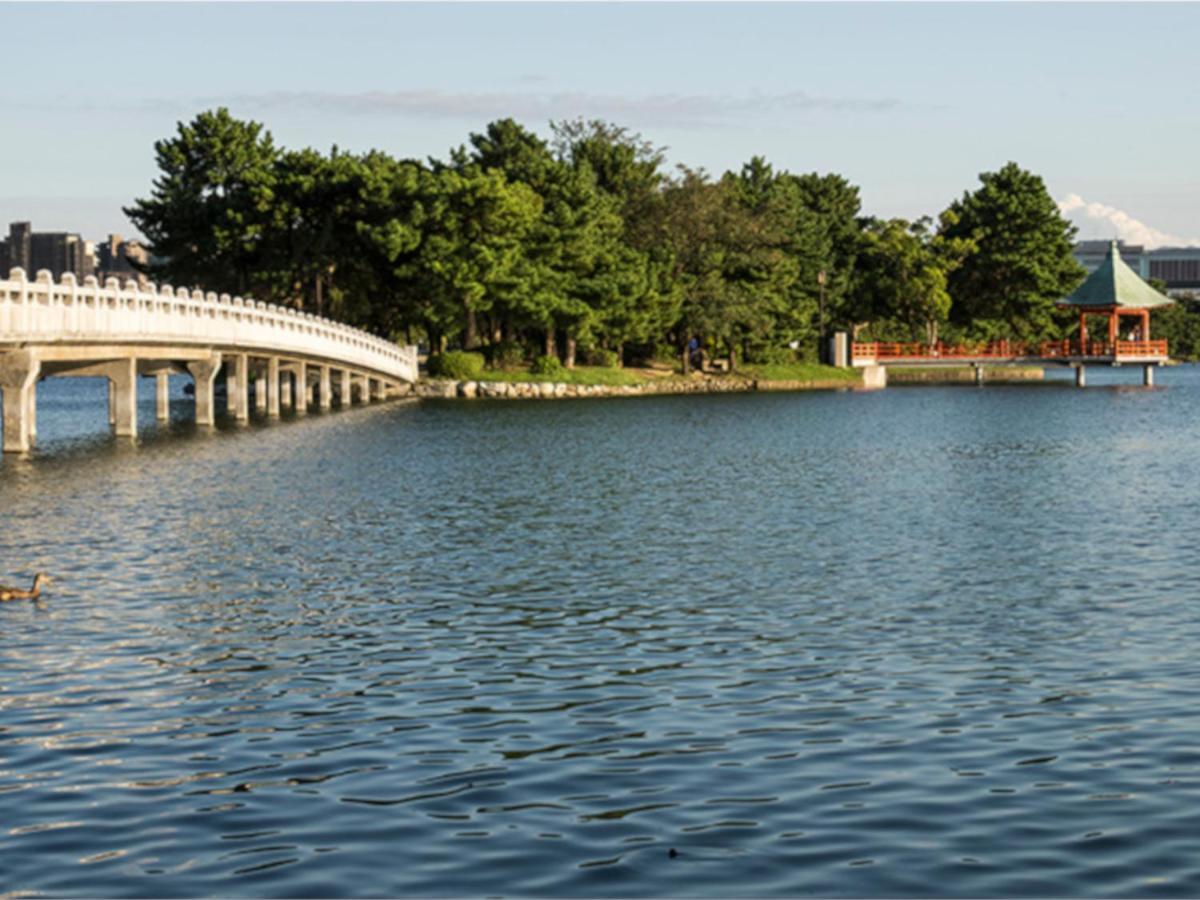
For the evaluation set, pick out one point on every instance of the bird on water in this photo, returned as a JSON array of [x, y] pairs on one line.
[[12, 593]]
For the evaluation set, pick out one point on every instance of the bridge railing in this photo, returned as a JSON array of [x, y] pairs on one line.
[[881, 351], [41, 310]]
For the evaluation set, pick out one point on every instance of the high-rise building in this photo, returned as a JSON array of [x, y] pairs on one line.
[[1177, 267], [18, 246]]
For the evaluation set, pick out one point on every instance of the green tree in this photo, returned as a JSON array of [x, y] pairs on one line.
[[626, 290], [1021, 259], [209, 213], [833, 249], [901, 277]]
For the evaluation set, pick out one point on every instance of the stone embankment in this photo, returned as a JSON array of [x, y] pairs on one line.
[[534, 390]]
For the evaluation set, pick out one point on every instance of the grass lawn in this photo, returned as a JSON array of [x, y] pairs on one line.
[[799, 372], [578, 375], [596, 375]]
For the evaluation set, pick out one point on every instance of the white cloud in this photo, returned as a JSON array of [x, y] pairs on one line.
[[1097, 220]]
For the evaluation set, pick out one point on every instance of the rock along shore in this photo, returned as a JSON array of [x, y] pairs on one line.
[[539, 390]]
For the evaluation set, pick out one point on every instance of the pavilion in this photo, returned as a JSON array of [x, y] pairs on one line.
[[1114, 290]]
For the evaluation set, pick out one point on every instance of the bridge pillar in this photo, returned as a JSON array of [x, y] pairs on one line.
[[18, 375], [273, 387], [326, 388], [874, 377], [1148, 375], [378, 389], [241, 387], [345, 388], [1080, 376], [364, 389], [31, 410], [122, 394], [231, 379], [285, 389], [204, 373], [301, 394], [260, 393], [162, 396]]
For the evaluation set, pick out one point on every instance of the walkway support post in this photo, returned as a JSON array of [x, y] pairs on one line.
[[241, 387], [978, 374], [31, 410], [301, 389], [1148, 375], [231, 387], [204, 374], [273, 387], [18, 374], [260, 392], [162, 396], [122, 380], [326, 388], [1080, 376]]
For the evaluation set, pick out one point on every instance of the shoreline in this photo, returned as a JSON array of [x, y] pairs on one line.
[[451, 389]]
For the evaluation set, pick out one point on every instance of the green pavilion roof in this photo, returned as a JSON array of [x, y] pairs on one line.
[[1115, 284]]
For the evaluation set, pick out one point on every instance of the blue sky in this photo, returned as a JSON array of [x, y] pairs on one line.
[[909, 101]]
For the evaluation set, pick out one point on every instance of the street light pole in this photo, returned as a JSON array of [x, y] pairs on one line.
[[821, 355]]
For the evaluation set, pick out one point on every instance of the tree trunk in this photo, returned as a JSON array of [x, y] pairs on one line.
[[620, 350], [471, 340], [320, 300], [686, 362], [497, 332], [551, 347], [732, 356], [570, 360]]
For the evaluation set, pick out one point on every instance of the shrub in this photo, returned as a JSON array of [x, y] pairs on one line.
[[774, 355], [608, 359], [456, 364], [505, 355], [546, 365]]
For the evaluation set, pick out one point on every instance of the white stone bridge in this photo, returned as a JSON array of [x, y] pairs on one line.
[[120, 332]]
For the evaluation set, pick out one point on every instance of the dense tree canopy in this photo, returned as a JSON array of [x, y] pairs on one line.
[[585, 245], [1020, 260]]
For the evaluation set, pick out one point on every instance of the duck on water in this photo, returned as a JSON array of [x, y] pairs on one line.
[[11, 593]]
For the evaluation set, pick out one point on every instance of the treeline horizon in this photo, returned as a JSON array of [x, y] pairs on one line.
[[584, 248]]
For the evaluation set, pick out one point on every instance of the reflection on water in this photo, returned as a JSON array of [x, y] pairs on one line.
[[930, 641]]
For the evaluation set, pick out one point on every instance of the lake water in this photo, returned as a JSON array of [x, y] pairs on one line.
[[935, 641]]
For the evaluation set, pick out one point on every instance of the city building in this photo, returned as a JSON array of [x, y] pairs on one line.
[[59, 252], [1177, 267]]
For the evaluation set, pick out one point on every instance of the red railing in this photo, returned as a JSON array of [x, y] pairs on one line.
[[1142, 348], [882, 351]]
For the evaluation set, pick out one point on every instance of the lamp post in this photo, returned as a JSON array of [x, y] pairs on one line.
[[821, 318]]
